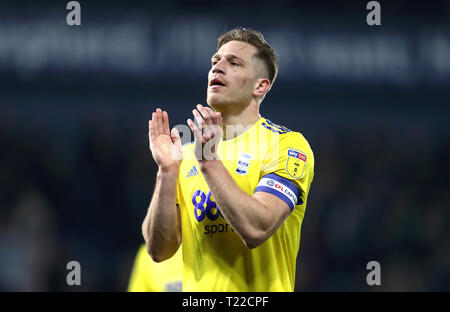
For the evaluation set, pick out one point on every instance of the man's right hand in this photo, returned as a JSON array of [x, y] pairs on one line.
[[165, 145]]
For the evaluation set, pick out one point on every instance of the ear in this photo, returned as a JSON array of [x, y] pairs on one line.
[[262, 86]]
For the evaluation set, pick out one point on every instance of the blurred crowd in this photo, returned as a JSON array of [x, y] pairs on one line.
[[378, 194]]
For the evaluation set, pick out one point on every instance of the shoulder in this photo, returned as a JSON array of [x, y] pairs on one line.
[[142, 259], [296, 140], [287, 139], [142, 252], [274, 127]]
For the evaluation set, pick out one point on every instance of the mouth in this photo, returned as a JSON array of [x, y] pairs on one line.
[[216, 83]]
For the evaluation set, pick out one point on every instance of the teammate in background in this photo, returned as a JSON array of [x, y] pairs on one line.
[[149, 276], [237, 195]]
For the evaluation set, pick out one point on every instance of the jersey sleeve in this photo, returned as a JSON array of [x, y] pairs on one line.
[[287, 169]]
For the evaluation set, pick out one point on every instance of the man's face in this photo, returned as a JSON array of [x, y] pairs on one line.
[[232, 78]]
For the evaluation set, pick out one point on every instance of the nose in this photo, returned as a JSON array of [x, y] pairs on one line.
[[218, 68]]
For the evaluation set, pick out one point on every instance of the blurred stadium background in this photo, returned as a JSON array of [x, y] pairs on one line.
[[76, 174]]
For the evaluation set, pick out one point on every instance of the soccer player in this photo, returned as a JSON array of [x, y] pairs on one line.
[[149, 276], [237, 195]]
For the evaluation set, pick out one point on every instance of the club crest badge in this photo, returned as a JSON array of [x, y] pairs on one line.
[[243, 164], [295, 164]]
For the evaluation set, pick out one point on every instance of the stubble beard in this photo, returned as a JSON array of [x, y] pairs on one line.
[[227, 104]]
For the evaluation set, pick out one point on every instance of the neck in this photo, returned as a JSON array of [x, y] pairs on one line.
[[234, 124]]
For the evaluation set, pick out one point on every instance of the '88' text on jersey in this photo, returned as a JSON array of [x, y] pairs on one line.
[[205, 206]]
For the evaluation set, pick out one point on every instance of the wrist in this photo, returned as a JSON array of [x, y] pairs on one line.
[[170, 170], [208, 165]]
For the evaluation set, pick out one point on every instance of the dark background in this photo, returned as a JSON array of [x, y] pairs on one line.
[[76, 175]]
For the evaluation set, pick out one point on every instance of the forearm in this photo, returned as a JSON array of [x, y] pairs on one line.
[[249, 218], [161, 227]]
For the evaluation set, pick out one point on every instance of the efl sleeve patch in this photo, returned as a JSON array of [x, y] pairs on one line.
[[295, 164], [280, 187]]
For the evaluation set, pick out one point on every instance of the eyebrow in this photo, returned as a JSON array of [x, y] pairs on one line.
[[227, 56]]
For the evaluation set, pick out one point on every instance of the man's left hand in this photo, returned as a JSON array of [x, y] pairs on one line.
[[207, 134]]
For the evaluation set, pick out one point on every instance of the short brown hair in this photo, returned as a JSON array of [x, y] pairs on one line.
[[255, 38]]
